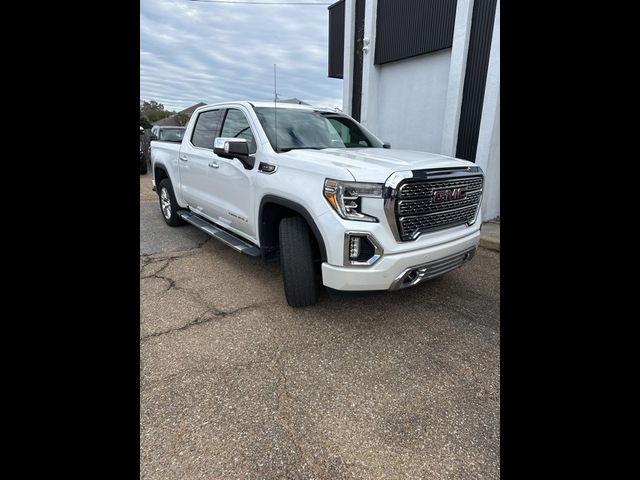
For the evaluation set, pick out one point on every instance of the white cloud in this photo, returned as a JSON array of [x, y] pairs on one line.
[[195, 51]]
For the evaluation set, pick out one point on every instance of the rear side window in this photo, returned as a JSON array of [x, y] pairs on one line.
[[206, 129], [237, 126]]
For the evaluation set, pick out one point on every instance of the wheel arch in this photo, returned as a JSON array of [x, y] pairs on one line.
[[160, 173], [272, 209]]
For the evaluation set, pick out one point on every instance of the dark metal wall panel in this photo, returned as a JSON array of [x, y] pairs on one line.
[[356, 100], [475, 78], [406, 28], [336, 39]]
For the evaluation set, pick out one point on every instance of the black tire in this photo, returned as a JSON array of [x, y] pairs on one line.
[[143, 166], [296, 259], [171, 215]]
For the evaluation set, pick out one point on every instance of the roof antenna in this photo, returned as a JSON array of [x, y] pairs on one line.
[[275, 104]]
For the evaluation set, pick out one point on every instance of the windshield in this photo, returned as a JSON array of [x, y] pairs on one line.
[[171, 134], [298, 129]]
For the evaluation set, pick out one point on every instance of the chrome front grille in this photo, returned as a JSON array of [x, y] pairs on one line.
[[424, 188], [419, 206], [416, 212]]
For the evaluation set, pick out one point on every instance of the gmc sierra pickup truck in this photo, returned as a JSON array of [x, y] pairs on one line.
[[340, 207]]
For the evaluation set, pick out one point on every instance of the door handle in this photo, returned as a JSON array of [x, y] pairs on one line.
[[184, 158], [214, 165]]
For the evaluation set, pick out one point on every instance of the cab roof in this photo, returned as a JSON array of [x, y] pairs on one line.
[[293, 106]]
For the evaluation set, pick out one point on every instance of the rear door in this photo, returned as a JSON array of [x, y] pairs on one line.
[[196, 154]]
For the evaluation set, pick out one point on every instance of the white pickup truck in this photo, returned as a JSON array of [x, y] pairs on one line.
[[342, 208]]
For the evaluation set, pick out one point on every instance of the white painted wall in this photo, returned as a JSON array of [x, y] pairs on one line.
[[370, 71], [488, 152], [491, 196], [347, 65], [411, 101], [459, 50]]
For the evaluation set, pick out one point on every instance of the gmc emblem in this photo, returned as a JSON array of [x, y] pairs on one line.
[[447, 195]]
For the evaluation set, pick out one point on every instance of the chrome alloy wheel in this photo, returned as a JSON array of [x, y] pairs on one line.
[[165, 203]]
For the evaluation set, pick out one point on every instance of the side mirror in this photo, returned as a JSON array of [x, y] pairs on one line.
[[386, 145], [154, 137], [231, 147], [234, 148]]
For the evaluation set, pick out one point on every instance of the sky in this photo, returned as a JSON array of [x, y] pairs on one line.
[[213, 52]]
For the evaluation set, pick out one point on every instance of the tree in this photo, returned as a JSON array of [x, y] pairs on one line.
[[153, 111], [144, 122], [182, 119]]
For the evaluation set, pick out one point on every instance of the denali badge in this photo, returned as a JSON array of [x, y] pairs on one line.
[[450, 194]]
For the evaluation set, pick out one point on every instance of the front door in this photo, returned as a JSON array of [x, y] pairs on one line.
[[231, 182]]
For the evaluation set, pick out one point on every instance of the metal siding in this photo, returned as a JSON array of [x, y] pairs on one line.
[[406, 28], [336, 39], [475, 78], [356, 101]]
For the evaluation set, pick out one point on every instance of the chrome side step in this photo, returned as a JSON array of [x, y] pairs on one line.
[[225, 237]]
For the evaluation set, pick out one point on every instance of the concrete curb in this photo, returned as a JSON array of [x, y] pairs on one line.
[[490, 236]]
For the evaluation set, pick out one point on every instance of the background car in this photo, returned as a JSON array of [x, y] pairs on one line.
[[143, 162], [165, 134]]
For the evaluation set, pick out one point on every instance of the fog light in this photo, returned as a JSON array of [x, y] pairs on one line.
[[354, 248], [360, 248]]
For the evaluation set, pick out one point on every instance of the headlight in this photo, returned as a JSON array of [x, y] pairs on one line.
[[345, 197]]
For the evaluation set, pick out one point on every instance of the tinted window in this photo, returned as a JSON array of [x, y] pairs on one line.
[[237, 126], [206, 129]]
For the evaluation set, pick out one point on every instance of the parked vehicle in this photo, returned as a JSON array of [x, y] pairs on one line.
[[166, 134], [143, 162], [342, 208]]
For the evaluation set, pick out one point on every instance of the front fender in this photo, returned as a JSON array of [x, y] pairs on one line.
[[296, 207]]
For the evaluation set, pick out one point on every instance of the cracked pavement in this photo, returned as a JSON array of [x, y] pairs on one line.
[[236, 384]]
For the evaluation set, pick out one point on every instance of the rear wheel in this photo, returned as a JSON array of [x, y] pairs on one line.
[[298, 266], [168, 204]]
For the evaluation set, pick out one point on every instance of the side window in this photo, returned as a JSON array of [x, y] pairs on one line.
[[237, 126], [206, 129]]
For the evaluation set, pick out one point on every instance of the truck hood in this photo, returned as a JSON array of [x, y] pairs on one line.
[[375, 164]]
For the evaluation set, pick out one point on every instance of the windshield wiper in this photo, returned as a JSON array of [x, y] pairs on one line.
[[288, 149]]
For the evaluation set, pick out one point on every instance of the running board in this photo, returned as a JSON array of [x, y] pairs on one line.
[[225, 237]]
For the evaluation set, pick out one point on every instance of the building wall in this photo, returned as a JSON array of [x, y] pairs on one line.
[[491, 197], [415, 103], [416, 89], [488, 152]]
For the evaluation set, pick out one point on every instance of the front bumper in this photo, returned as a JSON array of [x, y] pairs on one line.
[[388, 272]]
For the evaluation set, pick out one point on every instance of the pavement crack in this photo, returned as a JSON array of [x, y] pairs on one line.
[[205, 317], [170, 281], [152, 258], [283, 416]]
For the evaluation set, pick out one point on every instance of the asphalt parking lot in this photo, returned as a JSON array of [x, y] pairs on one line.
[[236, 384]]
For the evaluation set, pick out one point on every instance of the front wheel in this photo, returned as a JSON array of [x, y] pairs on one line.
[[168, 204], [296, 258]]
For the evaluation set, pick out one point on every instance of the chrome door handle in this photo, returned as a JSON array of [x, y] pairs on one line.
[[214, 165], [184, 158]]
